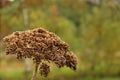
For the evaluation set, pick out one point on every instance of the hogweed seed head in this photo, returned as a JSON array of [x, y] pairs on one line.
[[44, 69], [41, 45]]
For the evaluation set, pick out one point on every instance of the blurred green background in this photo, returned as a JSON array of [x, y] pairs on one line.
[[90, 27]]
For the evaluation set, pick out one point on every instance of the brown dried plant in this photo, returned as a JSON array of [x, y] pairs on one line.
[[43, 47]]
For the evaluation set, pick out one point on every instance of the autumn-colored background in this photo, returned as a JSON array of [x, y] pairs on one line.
[[90, 27]]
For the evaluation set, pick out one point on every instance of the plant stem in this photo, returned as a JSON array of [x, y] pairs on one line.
[[35, 71]]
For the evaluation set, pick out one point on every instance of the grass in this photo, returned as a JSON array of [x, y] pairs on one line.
[[15, 71], [58, 75], [9, 74]]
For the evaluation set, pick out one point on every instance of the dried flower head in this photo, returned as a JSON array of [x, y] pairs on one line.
[[44, 69], [40, 45]]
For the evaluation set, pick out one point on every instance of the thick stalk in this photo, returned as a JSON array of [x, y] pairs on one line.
[[35, 72]]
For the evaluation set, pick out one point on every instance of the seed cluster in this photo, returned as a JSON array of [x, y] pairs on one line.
[[44, 69], [40, 45]]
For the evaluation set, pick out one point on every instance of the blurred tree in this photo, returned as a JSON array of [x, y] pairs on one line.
[[26, 25], [95, 34]]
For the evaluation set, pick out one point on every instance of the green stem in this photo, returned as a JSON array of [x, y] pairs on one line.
[[35, 72]]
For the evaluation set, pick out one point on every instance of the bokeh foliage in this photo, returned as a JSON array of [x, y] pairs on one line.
[[92, 30]]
